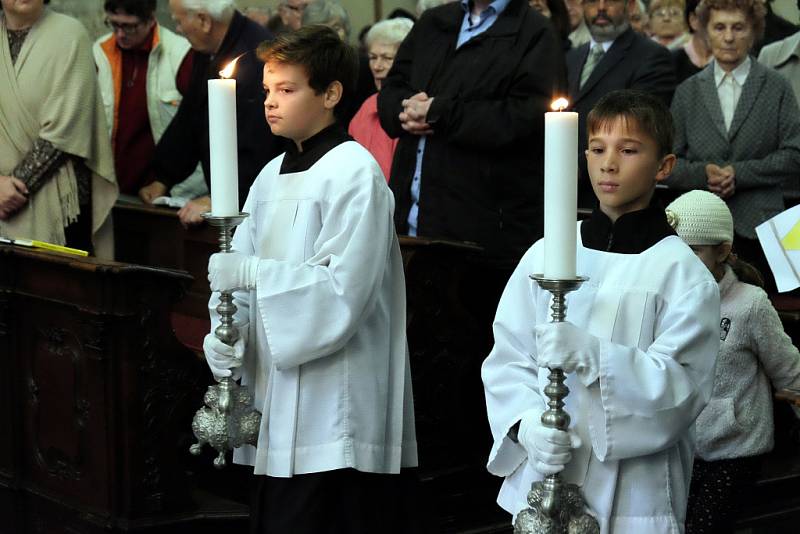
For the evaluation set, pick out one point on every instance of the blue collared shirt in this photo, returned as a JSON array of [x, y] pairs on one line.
[[474, 25], [471, 27]]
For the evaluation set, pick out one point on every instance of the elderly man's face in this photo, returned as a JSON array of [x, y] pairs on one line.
[[606, 19], [190, 25]]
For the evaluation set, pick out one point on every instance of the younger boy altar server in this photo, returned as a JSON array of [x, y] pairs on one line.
[[639, 343], [321, 310]]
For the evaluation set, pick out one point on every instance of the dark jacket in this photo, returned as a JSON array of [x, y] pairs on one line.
[[185, 142], [633, 62], [483, 165], [684, 68]]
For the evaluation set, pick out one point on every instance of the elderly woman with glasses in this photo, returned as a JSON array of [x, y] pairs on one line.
[[737, 126], [667, 25], [56, 166]]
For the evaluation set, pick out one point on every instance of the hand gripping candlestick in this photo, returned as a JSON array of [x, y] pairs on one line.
[[228, 419], [555, 506]]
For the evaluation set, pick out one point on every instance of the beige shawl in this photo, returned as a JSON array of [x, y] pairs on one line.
[[51, 92]]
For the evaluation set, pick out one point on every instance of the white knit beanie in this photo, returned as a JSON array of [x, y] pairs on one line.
[[701, 218]]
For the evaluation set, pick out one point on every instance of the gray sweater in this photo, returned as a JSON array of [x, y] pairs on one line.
[[754, 350]]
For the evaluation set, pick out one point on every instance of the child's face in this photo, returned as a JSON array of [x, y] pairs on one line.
[[624, 167], [707, 254], [292, 108], [713, 257]]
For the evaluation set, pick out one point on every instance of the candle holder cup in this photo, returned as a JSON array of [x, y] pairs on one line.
[[228, 419], [556, 507]]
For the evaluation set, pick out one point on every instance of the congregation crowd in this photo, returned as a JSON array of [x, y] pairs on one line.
[[450, 103]]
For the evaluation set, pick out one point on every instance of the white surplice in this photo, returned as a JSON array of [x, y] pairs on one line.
[[657, 317], [326, 353]]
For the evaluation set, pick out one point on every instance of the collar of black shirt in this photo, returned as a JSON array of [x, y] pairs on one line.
[[314, 148], [632, 233]]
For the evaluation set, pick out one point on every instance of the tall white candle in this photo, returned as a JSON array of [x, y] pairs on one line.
[[222, 144], [560, 191]]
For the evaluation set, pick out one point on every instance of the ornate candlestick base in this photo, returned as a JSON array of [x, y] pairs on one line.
[[228, 419], [555, 506]]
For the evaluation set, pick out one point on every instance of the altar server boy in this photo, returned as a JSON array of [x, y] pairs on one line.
[[321, 298], [639, 344]]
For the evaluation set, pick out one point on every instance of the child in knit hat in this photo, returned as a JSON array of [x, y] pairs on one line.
[[736, 427]]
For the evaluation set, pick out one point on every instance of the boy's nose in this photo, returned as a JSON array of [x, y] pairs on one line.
[[609, 164]]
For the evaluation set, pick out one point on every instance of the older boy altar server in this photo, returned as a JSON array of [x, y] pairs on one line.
[[322, 311]]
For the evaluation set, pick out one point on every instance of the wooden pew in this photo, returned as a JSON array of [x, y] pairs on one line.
[[152, 235], [96, 396]]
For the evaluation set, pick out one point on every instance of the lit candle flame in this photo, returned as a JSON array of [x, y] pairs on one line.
[[560, 105], [227, 72]]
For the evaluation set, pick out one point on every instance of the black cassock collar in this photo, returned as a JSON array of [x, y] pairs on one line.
[[632, 233], [314, 148]]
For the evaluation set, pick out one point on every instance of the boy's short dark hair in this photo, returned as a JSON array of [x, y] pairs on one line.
[[143, 9], [318, 49], [645, 111]]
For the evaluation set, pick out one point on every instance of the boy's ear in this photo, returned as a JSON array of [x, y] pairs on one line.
[[665, 167], [333, 94]]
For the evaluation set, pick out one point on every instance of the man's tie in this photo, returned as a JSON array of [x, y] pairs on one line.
[[595, 55]]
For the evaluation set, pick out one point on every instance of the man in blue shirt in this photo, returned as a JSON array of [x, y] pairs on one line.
[[469, 112], [466, 97]]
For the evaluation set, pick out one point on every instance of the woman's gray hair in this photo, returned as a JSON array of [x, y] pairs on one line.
[[391, 32], [326, 12], [216, 9]]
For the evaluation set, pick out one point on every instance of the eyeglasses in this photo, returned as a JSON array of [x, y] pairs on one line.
[[127, 29], [667, 11]]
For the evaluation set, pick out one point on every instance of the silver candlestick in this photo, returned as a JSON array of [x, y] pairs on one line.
[[228, 419], [556, 507]]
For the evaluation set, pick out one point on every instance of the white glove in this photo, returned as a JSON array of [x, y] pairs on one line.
[[224, 360], [228, 271], [549, 450], [567, 347]]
